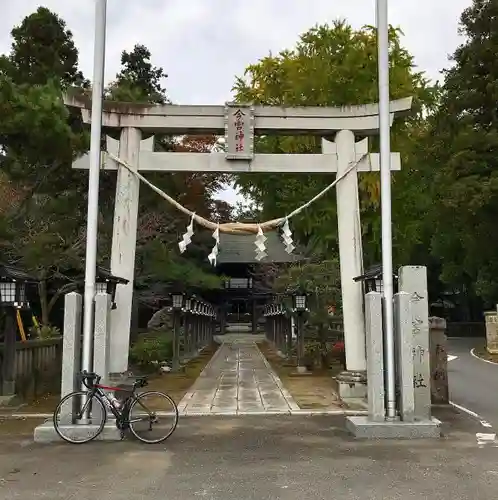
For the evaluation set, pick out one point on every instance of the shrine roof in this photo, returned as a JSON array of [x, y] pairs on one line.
[[240, 249]]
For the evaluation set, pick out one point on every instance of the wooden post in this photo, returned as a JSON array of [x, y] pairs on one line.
[[289, 336], [176, 342], [300, 343], [254, 317], [9, 354], [195, 333], [187, 327], [223, 319]]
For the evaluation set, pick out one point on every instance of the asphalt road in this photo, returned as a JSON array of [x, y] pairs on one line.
[[472, 382], [264, 457]]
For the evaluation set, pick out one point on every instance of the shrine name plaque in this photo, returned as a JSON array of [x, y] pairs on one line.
[[239, 131]]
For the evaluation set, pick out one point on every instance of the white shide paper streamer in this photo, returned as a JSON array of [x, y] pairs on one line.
[[260, 245], [213, 256], [287, 237], [187, 237]]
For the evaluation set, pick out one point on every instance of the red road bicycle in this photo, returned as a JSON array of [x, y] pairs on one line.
[[151, 416]]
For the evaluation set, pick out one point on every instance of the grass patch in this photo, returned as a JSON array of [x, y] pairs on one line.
[[16, 428], [316, 390]]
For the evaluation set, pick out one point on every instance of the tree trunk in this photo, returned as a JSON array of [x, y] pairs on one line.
[[68, 288], [42, 292], [322, 341], [48, 305]]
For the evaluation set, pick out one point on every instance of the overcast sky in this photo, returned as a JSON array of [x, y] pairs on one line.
[[202, 44]]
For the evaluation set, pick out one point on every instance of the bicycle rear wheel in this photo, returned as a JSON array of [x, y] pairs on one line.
[[68, 421], [153, 417]]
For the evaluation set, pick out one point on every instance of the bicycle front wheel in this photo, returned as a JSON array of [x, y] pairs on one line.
[[69, 422], [153, 417]]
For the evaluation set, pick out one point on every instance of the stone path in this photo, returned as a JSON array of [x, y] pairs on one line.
[[237, 381]]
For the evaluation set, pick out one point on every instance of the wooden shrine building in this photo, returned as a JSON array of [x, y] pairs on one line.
[[244, 294]]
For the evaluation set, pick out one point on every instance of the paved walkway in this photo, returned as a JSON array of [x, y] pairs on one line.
[[237, 381]]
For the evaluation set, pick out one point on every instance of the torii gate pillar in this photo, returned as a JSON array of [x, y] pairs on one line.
[[352, 383], [124, 242]]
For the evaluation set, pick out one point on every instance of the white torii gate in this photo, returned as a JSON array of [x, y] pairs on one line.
[[240, 123]]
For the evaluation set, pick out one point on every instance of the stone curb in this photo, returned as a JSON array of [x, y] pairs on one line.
[[300, 412], [473, 354], [285, 393]]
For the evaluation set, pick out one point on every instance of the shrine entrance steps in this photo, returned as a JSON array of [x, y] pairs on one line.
[[239, 327], [238, 381]]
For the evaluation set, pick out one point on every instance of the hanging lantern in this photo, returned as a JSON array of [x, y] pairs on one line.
[[13, 286], [373, 279], [299, 299], [105, 282], [177, 300]]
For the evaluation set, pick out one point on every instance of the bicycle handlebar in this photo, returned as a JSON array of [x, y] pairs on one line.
[[140, 382], [90, 379]]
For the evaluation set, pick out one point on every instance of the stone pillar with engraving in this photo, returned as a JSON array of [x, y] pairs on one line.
[[101, 355], [375, 357], [413, 280], [491, 319], [412, 366], [404, 356], [439, 361], [71, 343]]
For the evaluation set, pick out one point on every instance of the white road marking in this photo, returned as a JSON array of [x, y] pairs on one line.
[[473, 354], [481, 437], [22, 416], [486, 439], [466, 410]]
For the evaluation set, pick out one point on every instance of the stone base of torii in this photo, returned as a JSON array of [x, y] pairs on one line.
[[239, 123]]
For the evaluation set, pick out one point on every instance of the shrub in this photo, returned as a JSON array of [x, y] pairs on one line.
[[45, 332], [151, 349]]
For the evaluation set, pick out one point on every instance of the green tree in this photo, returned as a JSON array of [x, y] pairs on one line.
[[139, 80], [39, 138], [43, 49], [320, 280], [331, 65], [38, 135], [462, 153]]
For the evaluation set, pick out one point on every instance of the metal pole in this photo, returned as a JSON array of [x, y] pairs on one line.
[[385, 183], [93, 183]]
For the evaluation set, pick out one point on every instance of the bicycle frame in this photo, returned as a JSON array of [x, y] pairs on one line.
[[121, 415], [98, 391]]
